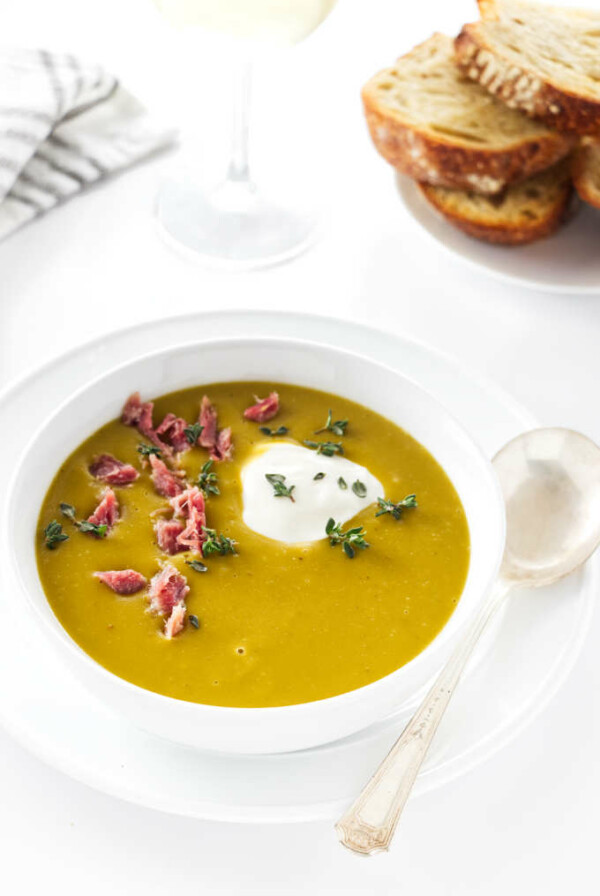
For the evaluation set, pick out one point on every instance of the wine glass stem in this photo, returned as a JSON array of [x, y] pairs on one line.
[[239, 167]]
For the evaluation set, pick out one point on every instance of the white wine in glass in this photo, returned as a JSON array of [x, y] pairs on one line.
[[236, 223]]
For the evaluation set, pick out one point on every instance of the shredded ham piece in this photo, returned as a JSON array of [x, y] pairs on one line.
[[191, 507], [264, 409], [224, 446], [167, 589], [173, 430], [218, 442], [176, 621], [107, 511], [139, 414], [166, 482], [123, 581], [112, 471], [208, 421], [167, 535]]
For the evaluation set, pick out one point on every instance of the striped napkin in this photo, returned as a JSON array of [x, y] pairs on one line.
[[63, 127]]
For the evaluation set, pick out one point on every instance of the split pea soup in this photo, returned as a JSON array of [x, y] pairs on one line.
[[251, 544]]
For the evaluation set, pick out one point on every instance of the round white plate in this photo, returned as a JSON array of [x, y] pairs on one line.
[[535, 645], [567, 262]]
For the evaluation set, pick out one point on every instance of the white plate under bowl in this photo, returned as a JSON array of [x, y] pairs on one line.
[[567, 262], [535, 646]]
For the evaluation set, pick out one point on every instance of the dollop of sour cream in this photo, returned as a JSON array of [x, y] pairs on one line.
[[315, 500]]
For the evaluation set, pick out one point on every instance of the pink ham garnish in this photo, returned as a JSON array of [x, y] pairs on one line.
[[224, 446], [167, 534], [190, 505], [167, 589], [166, 482], [208, 422], [107, 511], [132, 410], [123, 581], [218, 442], [138, 413], [264, 409], [173, 431], [112, 471], [176, 621]]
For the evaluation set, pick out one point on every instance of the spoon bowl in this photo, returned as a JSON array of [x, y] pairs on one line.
[[550, 480]]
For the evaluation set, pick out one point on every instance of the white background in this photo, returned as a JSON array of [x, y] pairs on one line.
[[526, 822]]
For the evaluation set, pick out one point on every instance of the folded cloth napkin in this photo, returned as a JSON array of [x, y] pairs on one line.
[[63, 127]]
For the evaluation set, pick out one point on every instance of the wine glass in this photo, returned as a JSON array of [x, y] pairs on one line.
[[238, 223]]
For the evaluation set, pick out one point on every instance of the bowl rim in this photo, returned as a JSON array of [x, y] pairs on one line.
[[59, 635]]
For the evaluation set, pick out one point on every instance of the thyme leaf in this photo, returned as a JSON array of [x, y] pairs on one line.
[[279, 486], [146, 450], [342, 483], [337, 427], [197, 566], [53, 535], [282, 431], [350, 540], [99, 530], [328, 449], [359, 489], [194, 621], [395, 509], [319, 476], [192, 433], [217, 544]]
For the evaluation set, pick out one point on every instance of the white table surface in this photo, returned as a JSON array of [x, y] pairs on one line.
[[527, 821]]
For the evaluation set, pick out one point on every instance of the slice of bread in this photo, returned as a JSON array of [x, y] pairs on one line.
[[436, 125], [541, 59], [526, 212], [586, 172]]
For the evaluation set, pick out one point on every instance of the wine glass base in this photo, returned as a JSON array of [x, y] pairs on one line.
[[233, 225]]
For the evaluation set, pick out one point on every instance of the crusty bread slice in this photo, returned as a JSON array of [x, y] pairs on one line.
[[541, 59], [586, 172], [526, 212], [436, 125]]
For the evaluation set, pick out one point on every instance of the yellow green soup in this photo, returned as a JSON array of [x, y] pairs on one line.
[[278, 623]]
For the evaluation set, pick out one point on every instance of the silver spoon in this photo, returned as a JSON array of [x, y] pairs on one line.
[[550, 479]]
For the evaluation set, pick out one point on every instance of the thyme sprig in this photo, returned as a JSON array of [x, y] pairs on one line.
[[99, 530], [53, 535], [193, 433], [217, 544], [281, 490], [146, 450], [328, 449], [281, 431], [337, 427], [395, 509], [350, 540], [207, 480]]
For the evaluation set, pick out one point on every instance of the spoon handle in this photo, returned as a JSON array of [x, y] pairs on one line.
[[368, 825]]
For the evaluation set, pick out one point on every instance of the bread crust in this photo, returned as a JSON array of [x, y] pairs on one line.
[[504, 234], [521, 88], [448, 163], [581, 176]]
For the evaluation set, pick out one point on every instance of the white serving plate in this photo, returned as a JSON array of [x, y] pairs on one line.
[[536, 643], [567, 262]]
